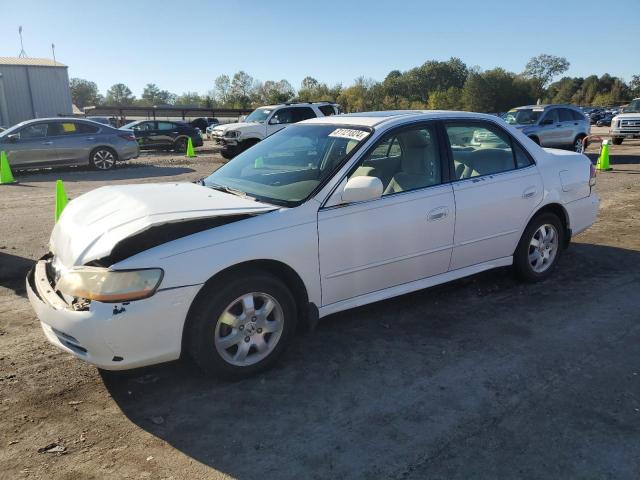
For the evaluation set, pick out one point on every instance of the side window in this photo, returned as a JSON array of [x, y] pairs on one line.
[[565, 115], [166, 126], [551, 115], [522, 159], [145, 126], [284, 115], [327, 110], [407, 161], [303, 113], [577, 116], [86, 128], [39, 130], [479, 149]]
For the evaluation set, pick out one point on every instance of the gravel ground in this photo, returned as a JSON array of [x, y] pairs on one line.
[[480, 378]]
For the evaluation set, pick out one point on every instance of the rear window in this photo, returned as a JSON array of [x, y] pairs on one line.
[[303, 113], [86, 128], [566, 115]]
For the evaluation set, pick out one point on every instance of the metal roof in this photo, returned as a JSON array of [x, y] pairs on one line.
[[33, 62]]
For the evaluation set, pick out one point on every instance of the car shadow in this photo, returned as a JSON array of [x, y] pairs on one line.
[[86, 174], [13, 270], [337, 397]]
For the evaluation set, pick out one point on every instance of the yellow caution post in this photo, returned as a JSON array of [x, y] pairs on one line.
[[190, 151], [5, 170], [61, 199], [603, 159]]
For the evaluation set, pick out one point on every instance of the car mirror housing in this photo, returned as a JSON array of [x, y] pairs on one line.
[[360, 189], [13, 138]]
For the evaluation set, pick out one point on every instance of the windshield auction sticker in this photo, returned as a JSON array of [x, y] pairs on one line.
[[350, 133]]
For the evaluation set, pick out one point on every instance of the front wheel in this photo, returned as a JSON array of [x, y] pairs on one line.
[[617, 140], [241, 328], [539, 248], [103, 159], [180, 145]]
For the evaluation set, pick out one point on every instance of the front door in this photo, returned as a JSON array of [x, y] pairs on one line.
[[551, 133], [144, 133], [34, 144], [404, 236], [496, 187]]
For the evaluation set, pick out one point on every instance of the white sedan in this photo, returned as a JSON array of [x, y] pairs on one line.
[[326, 215]]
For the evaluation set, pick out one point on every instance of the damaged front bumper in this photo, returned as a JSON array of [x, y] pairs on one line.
[[112, 336]]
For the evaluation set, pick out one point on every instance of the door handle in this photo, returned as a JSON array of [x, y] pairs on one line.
[[90, 139], [47, 143], [558, 126], [438, 214], [529, 192]]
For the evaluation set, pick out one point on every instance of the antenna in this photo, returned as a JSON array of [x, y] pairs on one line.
[[53, 50], [23, 54]]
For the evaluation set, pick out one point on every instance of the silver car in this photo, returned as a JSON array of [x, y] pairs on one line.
[[559, 126], [66, 141]]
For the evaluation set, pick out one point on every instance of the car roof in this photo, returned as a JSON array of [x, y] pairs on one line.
[[547, 105], [371, 119]]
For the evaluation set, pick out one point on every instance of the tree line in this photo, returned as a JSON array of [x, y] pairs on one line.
[[446, 85]]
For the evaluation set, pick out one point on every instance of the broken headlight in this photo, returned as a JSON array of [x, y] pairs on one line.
[[104, 285]]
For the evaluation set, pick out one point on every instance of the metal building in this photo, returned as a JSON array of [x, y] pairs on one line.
[[32, 88]]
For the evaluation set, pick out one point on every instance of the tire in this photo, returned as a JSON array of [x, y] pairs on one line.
[[527, 264], [225, 335], [180, 145], [103, 158], [577, 143], [617, 140], [227, 153]]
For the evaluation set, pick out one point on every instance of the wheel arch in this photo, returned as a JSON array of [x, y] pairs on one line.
[[106, 147], [559, 211], [307, 312]]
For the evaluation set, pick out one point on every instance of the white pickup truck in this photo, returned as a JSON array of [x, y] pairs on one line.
[[262, 122], [626, 124]]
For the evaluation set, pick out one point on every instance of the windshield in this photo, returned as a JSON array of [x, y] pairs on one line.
[[258, 115], [286, 167], [13, 129], [633, 107], [526, 116]]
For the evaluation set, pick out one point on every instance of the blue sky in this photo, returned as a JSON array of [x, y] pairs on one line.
[[183, 46]]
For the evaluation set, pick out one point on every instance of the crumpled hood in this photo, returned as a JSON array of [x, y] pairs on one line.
[[92, 224]]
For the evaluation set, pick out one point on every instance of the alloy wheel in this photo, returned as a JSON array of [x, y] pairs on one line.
[[543, 248], [104, 159], [249, 329]]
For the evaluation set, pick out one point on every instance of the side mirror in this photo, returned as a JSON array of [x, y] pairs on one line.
[[360, 189], [13, 138]]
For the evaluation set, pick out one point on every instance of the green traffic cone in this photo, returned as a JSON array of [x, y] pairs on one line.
[[5, 170], [190, 152], [603, 159], [61, 199]]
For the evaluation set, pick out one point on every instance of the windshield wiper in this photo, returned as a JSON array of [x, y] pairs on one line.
[[232, 191]]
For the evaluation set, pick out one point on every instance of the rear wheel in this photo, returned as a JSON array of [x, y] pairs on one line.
[[617, 140], [539, 248], [103, 158], [577, 143], [241, 328], [180, 145]]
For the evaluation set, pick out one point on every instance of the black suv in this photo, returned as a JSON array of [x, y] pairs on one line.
[[164, 134]]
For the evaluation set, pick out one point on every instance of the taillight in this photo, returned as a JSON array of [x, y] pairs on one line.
[[128, 136], [592, 175]]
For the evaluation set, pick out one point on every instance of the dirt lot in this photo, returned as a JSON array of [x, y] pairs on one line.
[[481, 378]]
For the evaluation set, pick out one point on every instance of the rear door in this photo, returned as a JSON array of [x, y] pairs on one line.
[[496, 187], [549, 133], [165, 134], [75, 141], [35, 144], [567, 126]]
